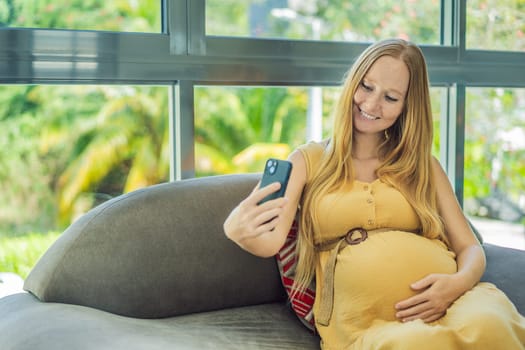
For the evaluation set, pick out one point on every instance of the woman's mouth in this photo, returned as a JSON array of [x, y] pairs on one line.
[[367, 116]]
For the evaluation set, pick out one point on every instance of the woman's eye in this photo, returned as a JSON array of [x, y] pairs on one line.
[[366, 87], [391, 99]]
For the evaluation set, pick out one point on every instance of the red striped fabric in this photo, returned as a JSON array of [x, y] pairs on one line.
[[301, 304]]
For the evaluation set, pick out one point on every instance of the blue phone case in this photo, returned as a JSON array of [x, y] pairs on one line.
[[276, 170]]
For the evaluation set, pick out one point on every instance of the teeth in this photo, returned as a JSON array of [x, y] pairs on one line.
[[368, 116]]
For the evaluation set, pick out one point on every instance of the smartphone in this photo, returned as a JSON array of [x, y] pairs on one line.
[[276, 170]]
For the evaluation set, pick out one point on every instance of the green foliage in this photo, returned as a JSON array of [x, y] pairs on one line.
[[115, 15], [340, 19], [414, 20], [54, 145], [127, 135], [230, 12], [19, 254], [228, 121], [435, 100], [501, 22], [26, 199], [489, 114]]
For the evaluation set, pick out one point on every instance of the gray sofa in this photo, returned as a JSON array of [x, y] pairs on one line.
[[152, 269]]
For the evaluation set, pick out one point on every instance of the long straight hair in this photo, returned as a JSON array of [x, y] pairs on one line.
[[405, 154]]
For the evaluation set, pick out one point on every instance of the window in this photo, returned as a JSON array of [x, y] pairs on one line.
[[435, 100], [65, 149], [125, 16], [238, 128], [496, 25], [358, 20], [494, 169], [207, 56]]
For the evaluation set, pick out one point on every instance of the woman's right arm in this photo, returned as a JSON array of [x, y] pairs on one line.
[[262, 229]]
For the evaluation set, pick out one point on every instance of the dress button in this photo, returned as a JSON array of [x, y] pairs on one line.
[[370, 221], [365, 187], [369, 201]]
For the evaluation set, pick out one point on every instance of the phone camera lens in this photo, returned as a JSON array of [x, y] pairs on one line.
[[272, 169]]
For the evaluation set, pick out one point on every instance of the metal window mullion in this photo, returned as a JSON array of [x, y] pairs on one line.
[[448, 26], [177, 25], [453, 33], [460, 103], [196, 27], [182, 131], [444, 126], [460, 35], [456, 138], [164, 15]]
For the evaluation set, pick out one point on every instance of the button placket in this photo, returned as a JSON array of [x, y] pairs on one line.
[[371, 205]]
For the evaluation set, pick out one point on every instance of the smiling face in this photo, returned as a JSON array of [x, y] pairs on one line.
[[380, 96]]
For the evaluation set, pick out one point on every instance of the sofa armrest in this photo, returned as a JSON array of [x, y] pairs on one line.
[[505, 268], [158, 252]]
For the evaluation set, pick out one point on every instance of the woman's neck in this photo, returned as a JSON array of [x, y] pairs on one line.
[[365, 147]]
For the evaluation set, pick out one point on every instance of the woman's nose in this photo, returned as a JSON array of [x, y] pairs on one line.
[[371, 102]]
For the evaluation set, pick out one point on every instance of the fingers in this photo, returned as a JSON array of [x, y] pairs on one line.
[[434, 317], [426, 315], [414, 312], [267, 226], [256, 213], [260, 213], [424, 282], [435, 295], [265, 220], [411, 302], [255, 219], [259, 194], [420, 307]]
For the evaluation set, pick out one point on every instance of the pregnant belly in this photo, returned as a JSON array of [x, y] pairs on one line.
[[371, 277]]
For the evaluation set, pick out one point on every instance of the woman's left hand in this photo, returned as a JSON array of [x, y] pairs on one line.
[[436, 293]]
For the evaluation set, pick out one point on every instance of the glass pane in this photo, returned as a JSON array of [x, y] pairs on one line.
[[65, 149], [496, 25], [494, 185], [341, 20], [238, 128], [125, 15], [435, 99]]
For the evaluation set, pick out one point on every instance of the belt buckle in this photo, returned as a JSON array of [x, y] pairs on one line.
[[353, 241]]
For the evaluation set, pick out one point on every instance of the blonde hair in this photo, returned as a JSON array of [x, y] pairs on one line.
[[407, 170]]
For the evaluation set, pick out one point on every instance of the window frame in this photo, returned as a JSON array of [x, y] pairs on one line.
[[183, 56]]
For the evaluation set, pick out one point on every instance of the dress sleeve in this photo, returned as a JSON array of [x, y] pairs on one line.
[[312, 153]]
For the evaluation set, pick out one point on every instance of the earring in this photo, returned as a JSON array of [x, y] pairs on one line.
[[386, 135]]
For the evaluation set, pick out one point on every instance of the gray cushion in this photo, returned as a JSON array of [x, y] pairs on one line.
[[158, 252], [506, 269], [27, 324]]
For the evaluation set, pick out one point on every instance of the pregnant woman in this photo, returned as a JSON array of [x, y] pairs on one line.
[[395, 262]]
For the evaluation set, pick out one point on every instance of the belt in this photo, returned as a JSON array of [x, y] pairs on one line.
[[336, 245]]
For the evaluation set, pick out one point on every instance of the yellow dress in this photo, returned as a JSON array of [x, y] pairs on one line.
[[372, 276]]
